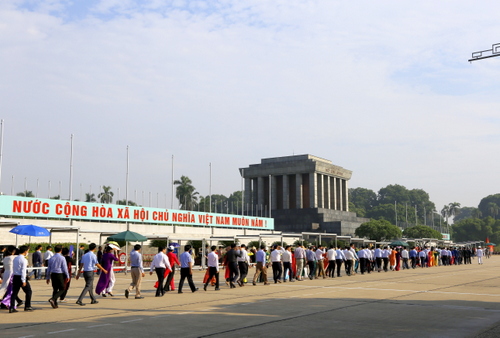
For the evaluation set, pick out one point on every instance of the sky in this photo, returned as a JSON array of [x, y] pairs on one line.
[[382, 88]]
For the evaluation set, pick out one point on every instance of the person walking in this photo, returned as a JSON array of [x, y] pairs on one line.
[[300, 256], [57, 273], [320, 262], [232, 264], [187, 269], [286, 258], [136, 271], [213, 268], [331, 254], [46, 256], [243, 263], [19, 281], [69, 264], [37, 261], [340, 258], [276, 263], [160, 265], [172, 258], [260, 266], [88, 264], [479, 254], [106, 281]]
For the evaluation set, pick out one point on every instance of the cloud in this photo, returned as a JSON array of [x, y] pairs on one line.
[[381, 88]]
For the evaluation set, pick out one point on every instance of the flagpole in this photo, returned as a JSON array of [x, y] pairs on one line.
[[172, 201], [126, 186], [210, 188], [71, 171], [1, 152]]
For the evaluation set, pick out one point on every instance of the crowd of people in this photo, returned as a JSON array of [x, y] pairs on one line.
[[287, 263]]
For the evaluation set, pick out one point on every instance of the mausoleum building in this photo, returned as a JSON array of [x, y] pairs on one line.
[[301, 193]]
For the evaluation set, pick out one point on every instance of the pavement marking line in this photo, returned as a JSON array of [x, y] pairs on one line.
[[68, 330], [27, 336], [184, 313], [159, 316], [89, 327], [132, 320]]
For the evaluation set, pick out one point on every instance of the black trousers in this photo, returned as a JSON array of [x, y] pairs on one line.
[[311, 269], [330, 271], [89, 285], [277, 271], [378, 260], [170, 277], [405, 263], [160, 273], [287, 267], [362, 264], [57, 285], [186, 274], [66, 288], [339, 265], [212, 271], [347, 266], [243, 267], [386, 262], [17, 284], [413, 262], [233, 271]]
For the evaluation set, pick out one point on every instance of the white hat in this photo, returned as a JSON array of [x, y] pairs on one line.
[[171, 248], [113, 246]]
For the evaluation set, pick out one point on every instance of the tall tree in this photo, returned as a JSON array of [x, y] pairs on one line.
[[379, 230], [106, 196], [453, 208], [90, 198], [185, 193], [484, 205], [26, 193], [422, 231]]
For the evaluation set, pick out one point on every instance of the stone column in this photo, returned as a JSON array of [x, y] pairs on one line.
[[346, 196], [274, 193], [334, 193], [327, 193], [319, 194], [286, 193], [298, 191], [248, 195], [313, 190], [339, 189], [260, 193]]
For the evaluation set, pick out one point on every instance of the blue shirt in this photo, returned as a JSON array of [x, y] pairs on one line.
[[57, 264], [186, 258], [89, 260], [136, 260], [260, 256]]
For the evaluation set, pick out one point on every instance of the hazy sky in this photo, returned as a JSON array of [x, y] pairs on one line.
[[382, 88]]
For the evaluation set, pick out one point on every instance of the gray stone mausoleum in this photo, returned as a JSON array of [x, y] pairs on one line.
[[301, 193]]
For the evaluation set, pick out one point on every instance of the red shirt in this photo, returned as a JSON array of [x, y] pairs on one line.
[[172, 258]]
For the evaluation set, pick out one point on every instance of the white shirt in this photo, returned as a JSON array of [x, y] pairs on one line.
[[361, 253], [405, 254], [160, 261], [213, 260], [47, 255], [286, 256], [378, 253], [244, 256], [479, 252], [319, 254], [276, 255], [348, 255], [331, 254], [354, 254], [19, 267], [386, 253]]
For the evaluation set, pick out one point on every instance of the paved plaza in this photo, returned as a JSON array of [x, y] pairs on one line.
[[452, 301]]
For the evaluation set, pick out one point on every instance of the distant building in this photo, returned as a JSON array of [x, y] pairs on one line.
[[304, 193]]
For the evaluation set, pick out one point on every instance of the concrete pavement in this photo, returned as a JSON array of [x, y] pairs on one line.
[[452, 301]]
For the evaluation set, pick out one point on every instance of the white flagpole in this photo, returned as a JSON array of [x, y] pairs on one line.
[[1, 151], [71, 171], [242, 191], [210, 187], [172, 201]]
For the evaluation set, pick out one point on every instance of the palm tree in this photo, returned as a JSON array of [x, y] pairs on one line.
[[453, 208], [90, 198], [445, 212], [185, 193], [107, 195], [26, 193]]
